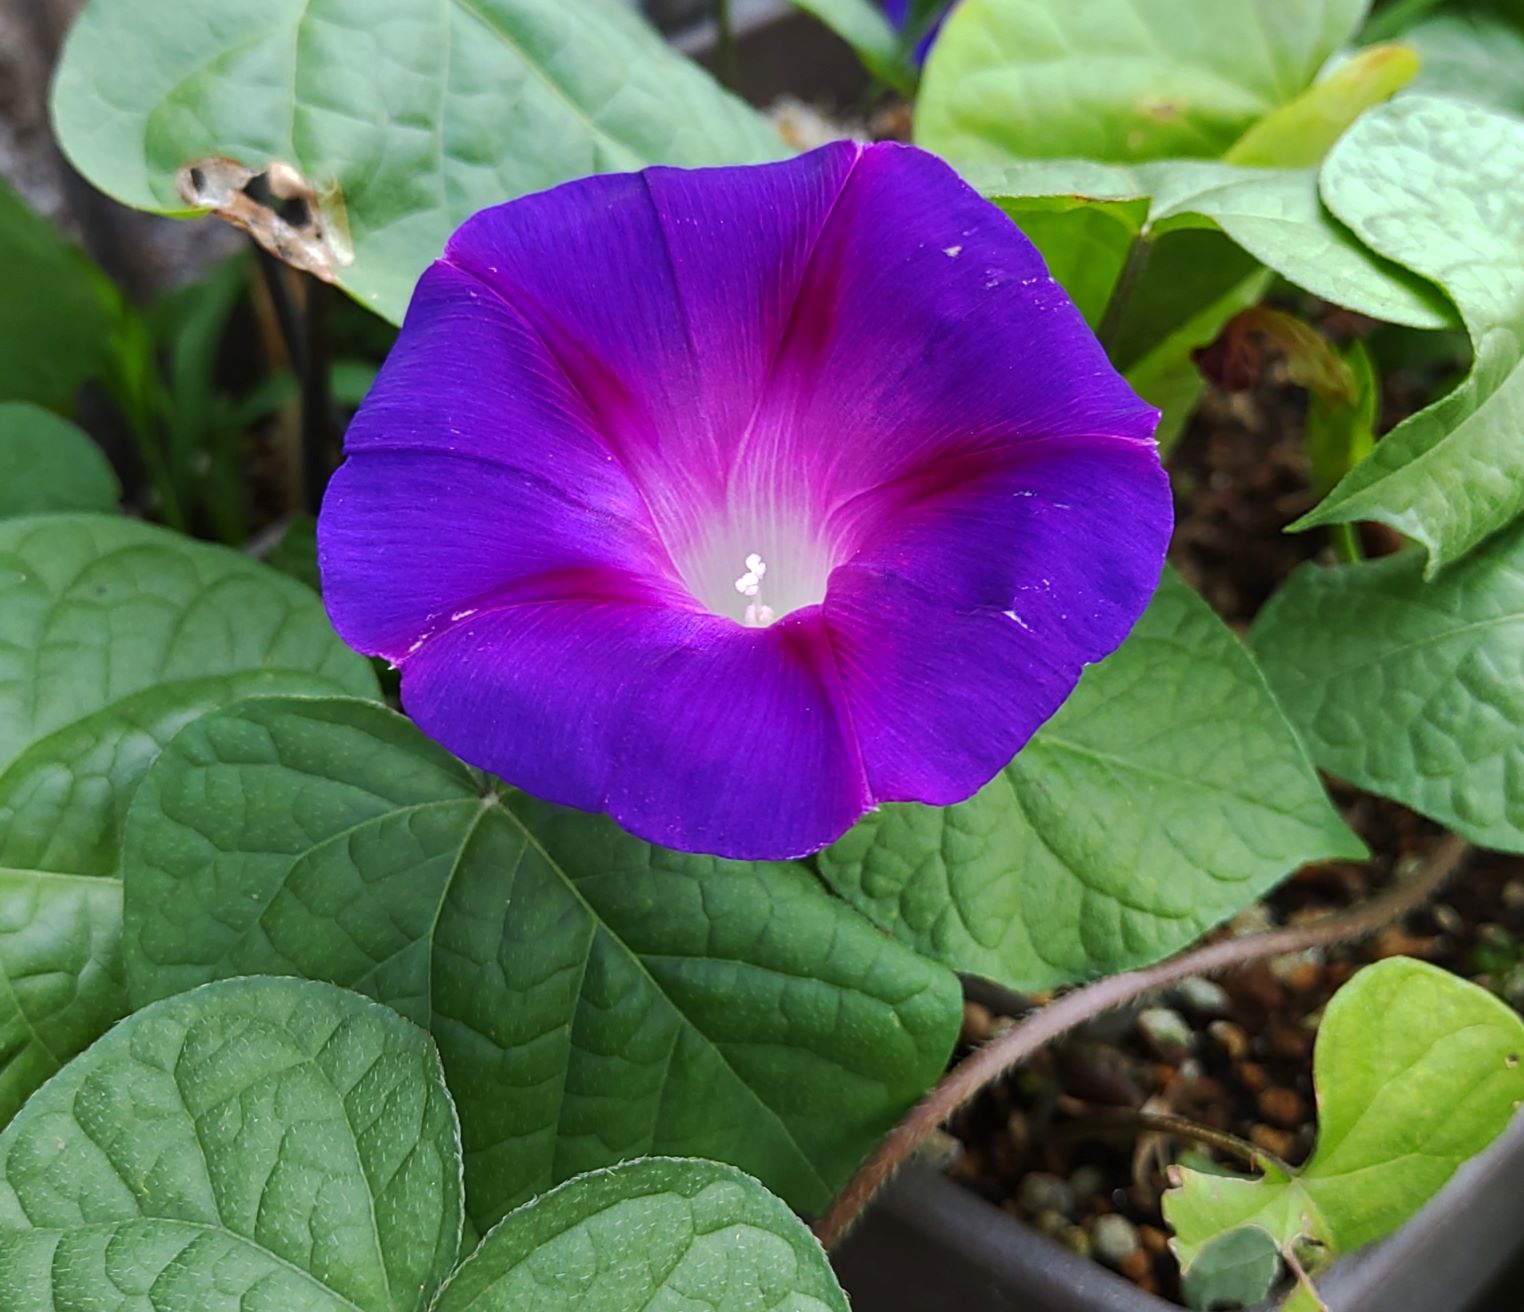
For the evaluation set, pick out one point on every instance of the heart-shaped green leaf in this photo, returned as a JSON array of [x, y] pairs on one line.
[[1166, 794], [1119, 79], [393, 121], [1416, 1071], [47, 464], [594, 998], [655, 1235], [1411, 689], [255, 1144], [1438, 186], [113, 634]]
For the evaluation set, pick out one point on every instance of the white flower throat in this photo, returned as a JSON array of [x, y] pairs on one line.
[[758, 613]]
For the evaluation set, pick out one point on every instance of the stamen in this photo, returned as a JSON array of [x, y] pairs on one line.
[[750, 585]]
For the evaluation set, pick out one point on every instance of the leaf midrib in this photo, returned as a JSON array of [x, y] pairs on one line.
[[493, 804]]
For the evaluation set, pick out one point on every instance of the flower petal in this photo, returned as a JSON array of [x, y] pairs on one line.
[[688, 730], [474, 473], [663, 296], [1024, 575]]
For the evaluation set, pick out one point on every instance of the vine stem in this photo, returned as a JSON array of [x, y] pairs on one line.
[[997, 1057]]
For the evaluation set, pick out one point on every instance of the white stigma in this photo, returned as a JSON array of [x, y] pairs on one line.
[[750, 585]]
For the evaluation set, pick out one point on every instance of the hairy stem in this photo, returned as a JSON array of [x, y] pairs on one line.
[[991, 1062]]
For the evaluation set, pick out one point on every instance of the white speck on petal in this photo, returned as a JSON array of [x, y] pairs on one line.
[[459, 615], [952, 252], [1012, 615]]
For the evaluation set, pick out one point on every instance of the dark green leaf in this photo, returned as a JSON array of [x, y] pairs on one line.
[[113, 634], [256, 1144], [594, 998], [47, 464], [56, 313]]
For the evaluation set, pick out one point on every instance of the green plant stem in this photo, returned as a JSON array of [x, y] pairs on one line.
[[727, 59], [995, 1059], [1346, 541]]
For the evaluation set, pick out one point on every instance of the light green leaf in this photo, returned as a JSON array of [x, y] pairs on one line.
[[1413, 690], [47, 464], [1300, 132], [1416, 1072], [1119, 79], [1471, 56], [1166, 794], [113, 634], [1438, 186], [402, 119], [56, 314], [862, 25], [661, 1234], [1273, 214], [594, 998], [257, 1144]]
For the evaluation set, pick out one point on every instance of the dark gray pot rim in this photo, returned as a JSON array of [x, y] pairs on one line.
[[928, 1234]]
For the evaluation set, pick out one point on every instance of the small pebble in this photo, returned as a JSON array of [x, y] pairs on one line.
[[1303, 976], [1230, 1038], [1201, 996], [1136, 1266], [1113, 1238], [1393, 941], [1052, 1224], [1283, 1107], [1446, 917], [1272, 1140], [1075, 1239], [1165, 1031], [1087, 1182], [940, 1150], [1260, 987], [1253, 1076], [1018, 1130], [1040, 1192], [1287, 1042], [1154, 1240], [1251, 920], [977, 1020], [1513, 895]]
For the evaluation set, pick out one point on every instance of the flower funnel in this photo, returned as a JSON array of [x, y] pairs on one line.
[[734, 502]]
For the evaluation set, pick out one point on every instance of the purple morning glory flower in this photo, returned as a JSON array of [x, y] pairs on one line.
[[734, 502]]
